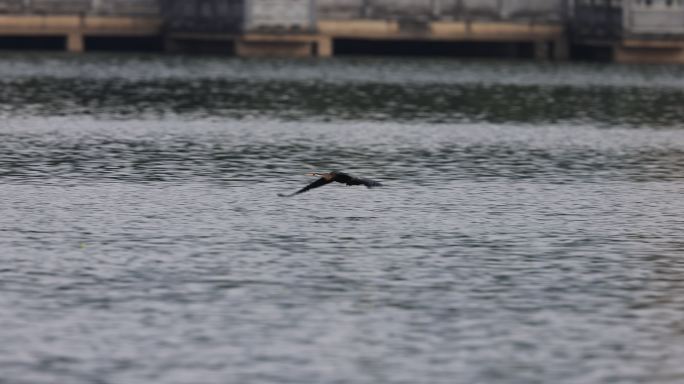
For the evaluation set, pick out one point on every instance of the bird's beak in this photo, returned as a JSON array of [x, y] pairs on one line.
[[312, 174]]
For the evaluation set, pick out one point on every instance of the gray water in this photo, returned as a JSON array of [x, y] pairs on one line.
[[529, 230]]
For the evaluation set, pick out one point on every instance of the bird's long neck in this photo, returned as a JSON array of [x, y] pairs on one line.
[[327, 176]]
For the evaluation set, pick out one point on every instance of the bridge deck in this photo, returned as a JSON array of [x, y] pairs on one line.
[[548, 39]]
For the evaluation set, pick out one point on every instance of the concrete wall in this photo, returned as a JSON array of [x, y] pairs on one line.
[[598, 22], [540, 10], [126, 7], [59, 6], [11, 6], [657, 17], [279, 15], [293, 14], [402, 9], [206, 16], [97, 7], [639, 17], [615, 20], [340, 9], [547, 10], [479, 9], [233, 16]]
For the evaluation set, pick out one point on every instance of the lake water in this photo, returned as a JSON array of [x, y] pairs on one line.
[[529, 230]]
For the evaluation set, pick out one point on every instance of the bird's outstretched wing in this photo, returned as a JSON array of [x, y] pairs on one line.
[[367, 182], [318, 183]]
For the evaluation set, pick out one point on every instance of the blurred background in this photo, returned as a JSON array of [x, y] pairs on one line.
[[613, 30], [529, 229]]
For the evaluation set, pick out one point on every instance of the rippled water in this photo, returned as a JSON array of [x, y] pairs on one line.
[[530, 229]]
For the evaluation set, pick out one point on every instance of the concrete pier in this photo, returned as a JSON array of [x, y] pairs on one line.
[[75, 42], [75, 28], [545, 38], [542, 36], [652, 53], [630, 30]]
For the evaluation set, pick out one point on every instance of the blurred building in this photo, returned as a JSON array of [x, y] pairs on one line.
[[627, 30]]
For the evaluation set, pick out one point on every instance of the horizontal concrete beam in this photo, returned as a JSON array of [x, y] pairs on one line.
[[648, 55], [497, 31], [441, 30], [28, 25], [662, 44], [38, 22]]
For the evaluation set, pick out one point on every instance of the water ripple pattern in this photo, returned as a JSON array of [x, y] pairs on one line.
[[529, 229], [434, 91]]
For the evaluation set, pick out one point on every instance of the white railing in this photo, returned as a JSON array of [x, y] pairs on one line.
[[551, 10], [654, 17], [106, 7]]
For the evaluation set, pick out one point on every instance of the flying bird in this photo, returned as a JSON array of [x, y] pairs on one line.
[[340, 177]]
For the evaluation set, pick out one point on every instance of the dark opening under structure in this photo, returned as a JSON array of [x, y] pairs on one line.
[[119, 43], [433, 48], [26, 43]]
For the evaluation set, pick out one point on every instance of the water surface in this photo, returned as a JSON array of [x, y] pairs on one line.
[[529, 230]]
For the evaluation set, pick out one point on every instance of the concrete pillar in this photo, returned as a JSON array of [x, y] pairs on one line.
[[366, 9], [96, 6], [75, 42], [325, 46], [561, 49], [541, 50]]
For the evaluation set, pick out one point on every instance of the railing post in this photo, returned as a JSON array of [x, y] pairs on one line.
[[313, 15], [96, 6], [366, 9], [502, 11], [436, 8], [626, 15]]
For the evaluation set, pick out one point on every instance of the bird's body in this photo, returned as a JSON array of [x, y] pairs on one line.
[[339, 177]]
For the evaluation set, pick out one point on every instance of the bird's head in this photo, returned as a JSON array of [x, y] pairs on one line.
[[327, 176]]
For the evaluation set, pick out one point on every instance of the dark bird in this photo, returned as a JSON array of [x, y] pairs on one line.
[[340, 177]]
